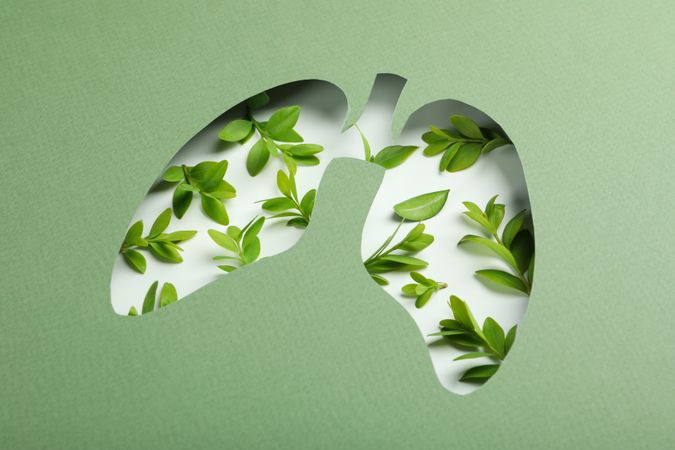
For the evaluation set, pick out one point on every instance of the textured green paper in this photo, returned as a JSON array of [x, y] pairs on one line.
[[95, 99]]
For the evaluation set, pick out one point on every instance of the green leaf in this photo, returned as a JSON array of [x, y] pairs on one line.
[[422, 207], [306, 160], [257, 158], [409, 261], [254, 228], [182, 197], [173, 174], [463, 315], [179, 236], [465, 157], [236, 130], [133, 233], [288, 136], [423, 298], [513, 227], [305, 149], [448, 333], [165, 252], [132, 311], [466, 126], [278, 204], [494, 335], [307, 203], [223, 190], [448, 156], [435, 148], [480, 374], [234, 232], [298, 222], [282, 121], [251, 249], [227, 268], [366, 144], [207, 175], [418, 244], [480, 219], [379, 279], [168, 295], [473, 355], [290, 164], [419, 277], [224, 240], [496, 248], [494, 144], [284, 183], [409, 290], [258, 100], [149, 300], [510, 339], [135, 260], [530, 271], [522, 249], [161, 223], [503, 279], [394, 155], [215, 209]]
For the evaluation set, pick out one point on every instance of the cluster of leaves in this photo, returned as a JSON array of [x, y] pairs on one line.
[[279, 128], [389, 157], [464, 332], [461, 149], [205, 179], [290, 206], [398, 257], [243, 242], [163, 246], [167, 296], [515, 246], [423, 289]]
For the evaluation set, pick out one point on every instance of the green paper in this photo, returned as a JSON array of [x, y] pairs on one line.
[[96, 97]]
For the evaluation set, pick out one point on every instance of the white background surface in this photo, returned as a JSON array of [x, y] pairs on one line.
[[323, 111]]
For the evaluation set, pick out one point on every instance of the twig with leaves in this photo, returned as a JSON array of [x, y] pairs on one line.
[[461, 148], [167, 296], [398, 257], [290, 206], [243, 242], [163, 246], [515, 246], [390, 156], [279, 128], [423, 289], [205, 179], [464, 332]]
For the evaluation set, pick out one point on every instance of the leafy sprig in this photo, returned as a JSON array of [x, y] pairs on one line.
[[461, 148], [489, 341], [243, 242], [515, 246], [167, 296], [390, 156], [279, 128], [205, 179], [163, 246], [423, 289], [290, 206], [398, 257]]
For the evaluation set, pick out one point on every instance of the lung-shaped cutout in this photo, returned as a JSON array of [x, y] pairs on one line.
[[243, 189]]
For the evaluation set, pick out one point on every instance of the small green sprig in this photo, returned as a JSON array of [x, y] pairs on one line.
[[423, 289], [243, 242], [398, 257], [167, 296], [515, 246], [205, 179], [461, 149], [163, 246], [389, 157], [279, 128], [464, 332], [290, 205]]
